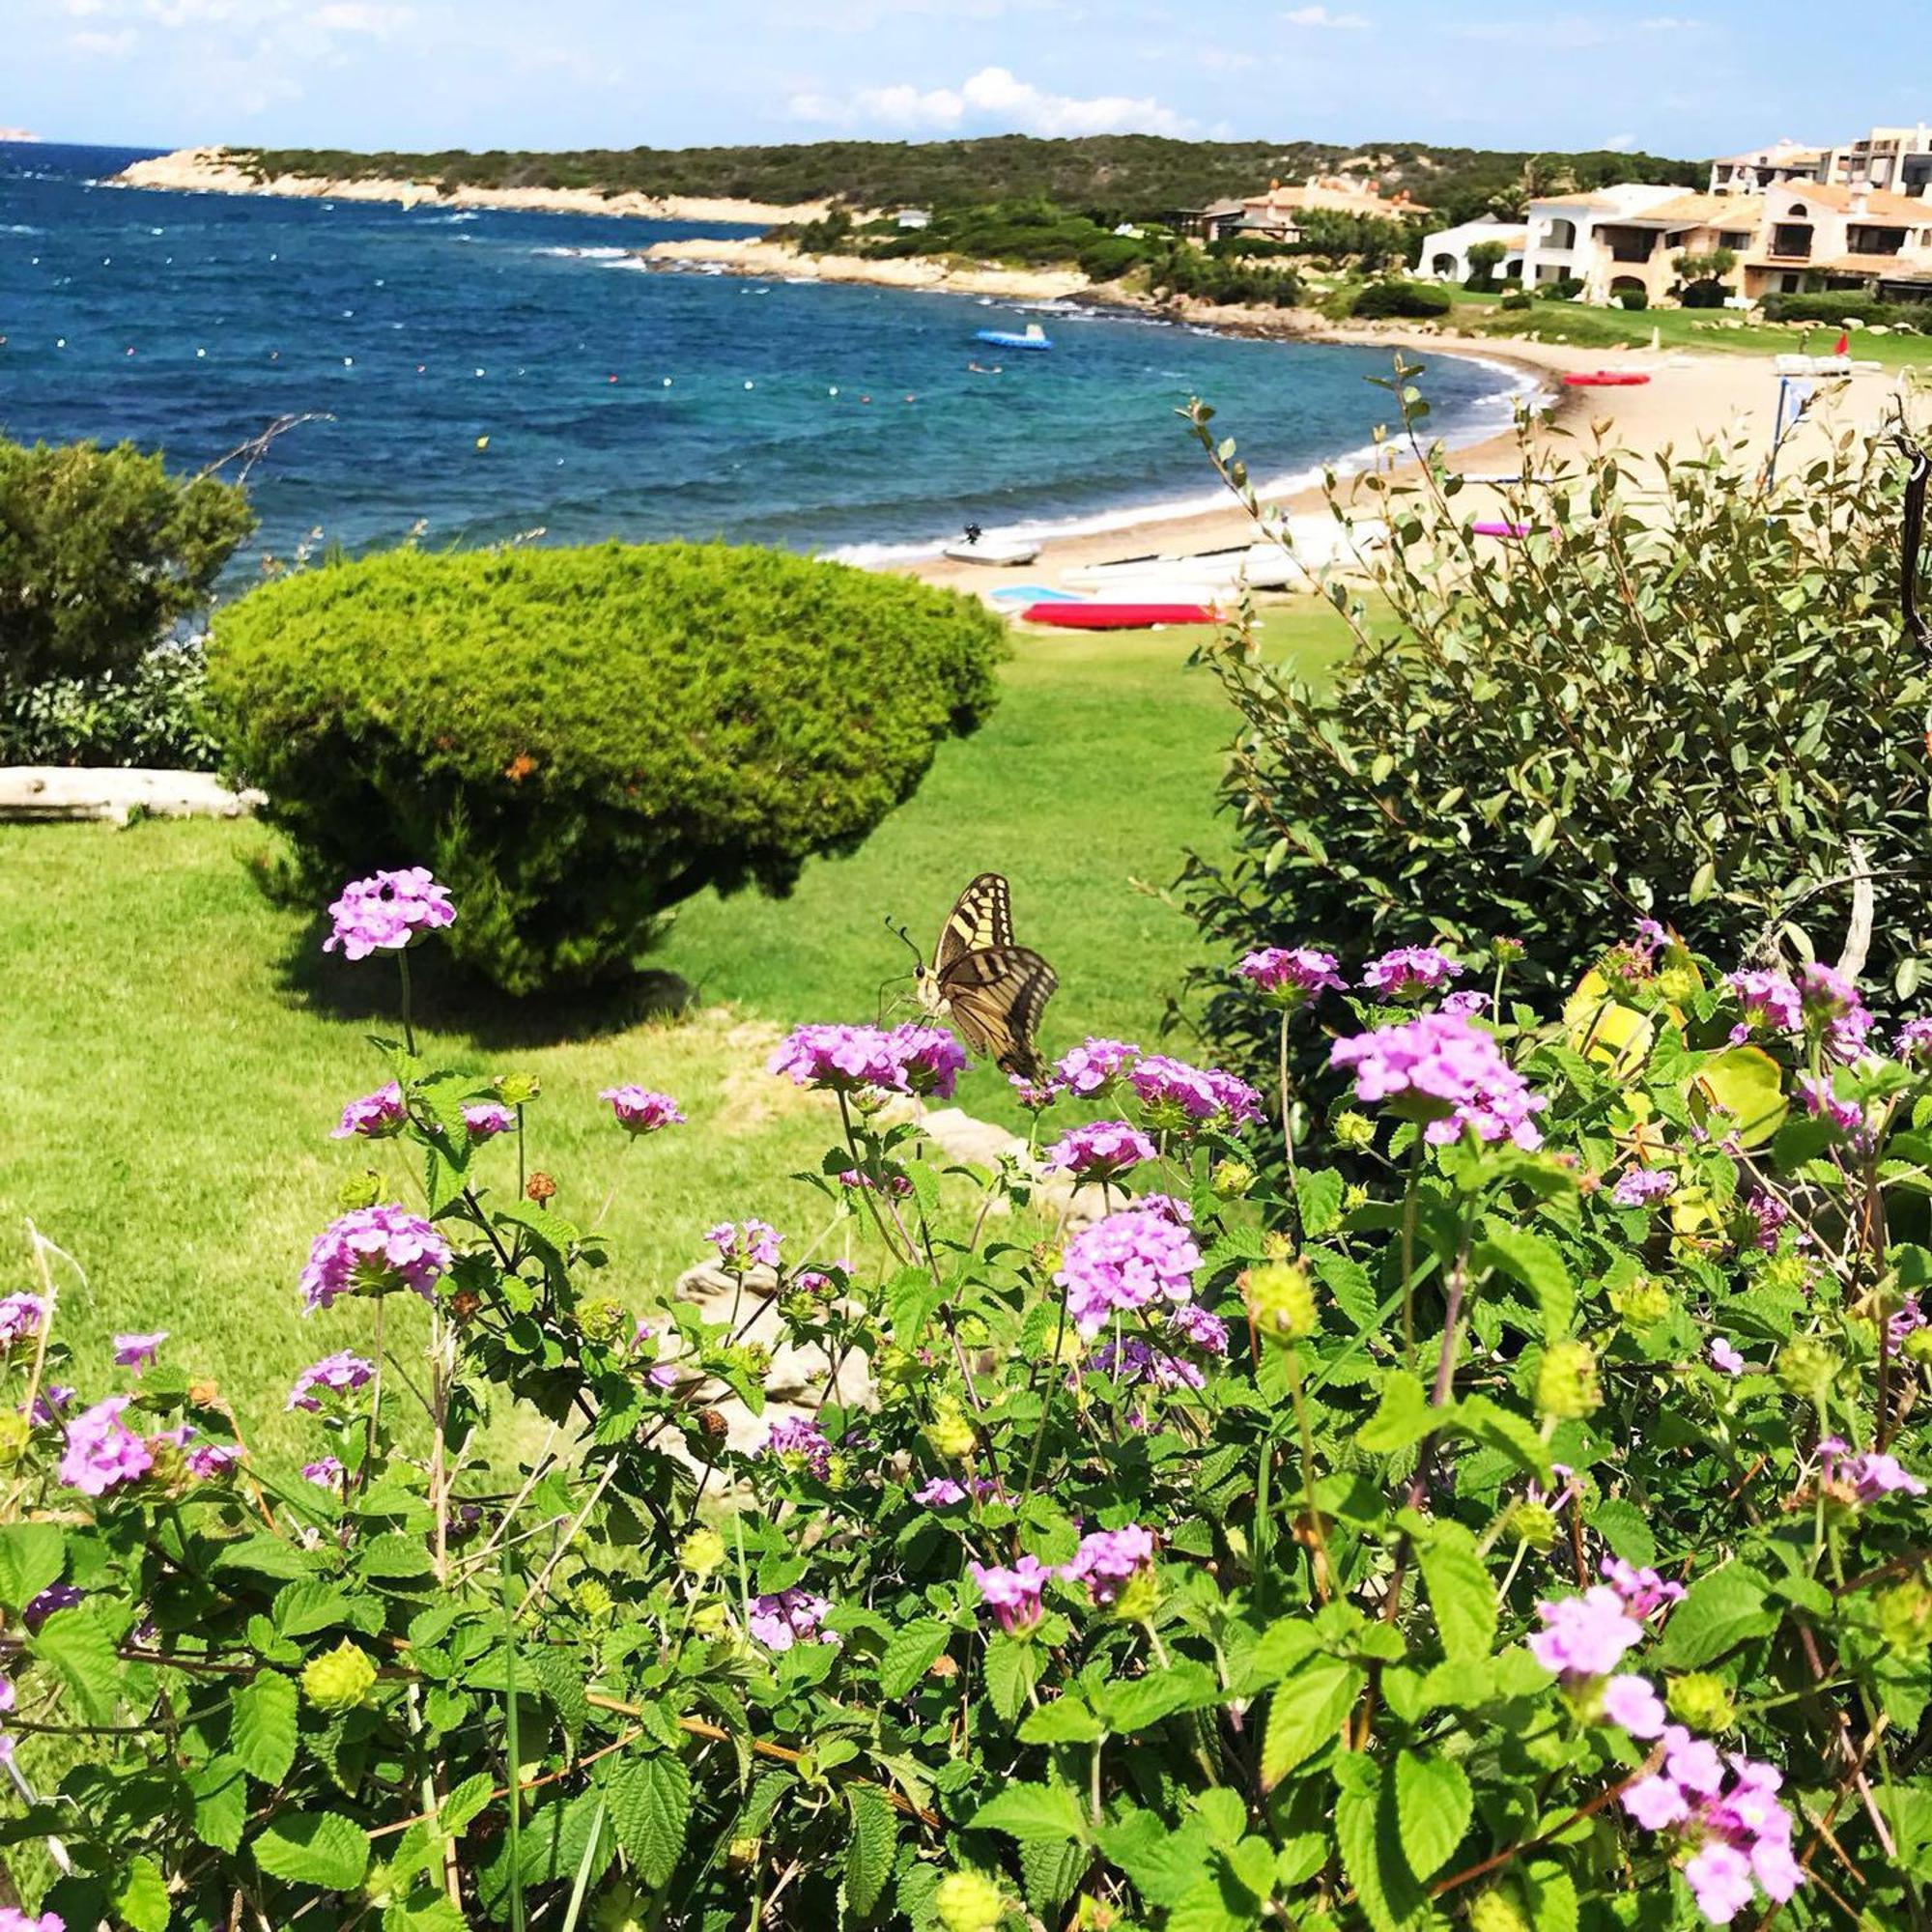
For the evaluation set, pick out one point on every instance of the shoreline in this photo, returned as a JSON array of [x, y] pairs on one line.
[[214, 171]]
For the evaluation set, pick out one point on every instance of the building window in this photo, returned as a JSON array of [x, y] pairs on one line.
[[1562, 234]]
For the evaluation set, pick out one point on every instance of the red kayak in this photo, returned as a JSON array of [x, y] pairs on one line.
[[1086, 615], [1606, 379]]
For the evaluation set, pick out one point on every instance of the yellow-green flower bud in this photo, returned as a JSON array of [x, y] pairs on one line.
[[1231, 1179], [743, 1851], [968, 1901], [1566, 1381], [621, 1909], [1789, 1274], [1533, 1523], [593, 1599], [1352, 1130], [1641, 1304], [361, 1190], [950, 1433], [1678, 980], [1807, 1367], [1919, 1346], [604, 1320], [899, 1367], [15, 1431], [1281, 1301], [1904, 1612], [339, 1679], [1353, 1196], [702, 1552], [838, 1470], [517, 1090], [1496, 1911], [709, 1620], [1136, 1600], [1702, 1701], [1277, 1246]]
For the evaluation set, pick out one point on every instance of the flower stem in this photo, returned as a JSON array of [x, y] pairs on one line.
[[409, 1023]]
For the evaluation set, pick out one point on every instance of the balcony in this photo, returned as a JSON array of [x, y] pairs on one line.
[[1861, 240], [1629, 244], [1792, 240]]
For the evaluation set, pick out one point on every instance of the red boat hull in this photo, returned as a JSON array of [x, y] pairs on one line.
[[1095, 617], [1607, 378]]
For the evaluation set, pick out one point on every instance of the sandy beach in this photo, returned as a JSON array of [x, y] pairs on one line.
[[216, 171]]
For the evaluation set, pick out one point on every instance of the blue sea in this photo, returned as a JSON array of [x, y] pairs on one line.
[[489, 375]]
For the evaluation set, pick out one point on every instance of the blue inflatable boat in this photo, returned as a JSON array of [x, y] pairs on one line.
[[1035, 337]]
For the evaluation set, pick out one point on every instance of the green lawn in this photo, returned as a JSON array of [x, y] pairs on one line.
[[1679, 329], [173, 1052]]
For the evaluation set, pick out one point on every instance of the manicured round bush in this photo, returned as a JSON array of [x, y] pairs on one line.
[[1640, 298], [579, 739], [1705, 294], [1408, 299]]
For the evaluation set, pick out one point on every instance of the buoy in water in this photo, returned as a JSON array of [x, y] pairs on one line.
[[833, 390], [482, 442], [747, 385]]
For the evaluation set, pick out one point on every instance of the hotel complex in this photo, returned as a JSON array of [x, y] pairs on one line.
[[1790, 219]]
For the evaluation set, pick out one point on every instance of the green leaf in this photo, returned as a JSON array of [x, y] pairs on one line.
[[1432, 1803], [313, 1848], [262, 1729], [1551, 1894], [1367, 1836], [910, 1653], [651, 1806], [1403, 1416], [1538, 1263], [76, 1643], [1306, 1712], [1067, 1720], [220, 1791], [1012, 1669], [1027, 1811], [394, 1554], [141, 1898], [1460, 1591], [265, 1555], [1317, 1193], [870, 1850], [1720, 1609], [1625, 1528], [313, 1604], [1136, 1703], [32, 1555], [465, 1802], [1502, 1429]]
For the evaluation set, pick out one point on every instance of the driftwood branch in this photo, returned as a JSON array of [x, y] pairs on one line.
[[1858, 933], [248, 454]]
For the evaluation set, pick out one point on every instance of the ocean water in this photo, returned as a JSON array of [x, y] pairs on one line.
[[615, 401]]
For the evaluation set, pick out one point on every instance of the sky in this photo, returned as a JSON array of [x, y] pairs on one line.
[[1720, 76]]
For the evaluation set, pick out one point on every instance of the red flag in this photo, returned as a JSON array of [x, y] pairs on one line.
[[1844, 346]]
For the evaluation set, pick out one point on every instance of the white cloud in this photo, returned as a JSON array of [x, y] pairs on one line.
[[359, 17], [97, 45], [1621, 144], [994, 95], [1320, 16]]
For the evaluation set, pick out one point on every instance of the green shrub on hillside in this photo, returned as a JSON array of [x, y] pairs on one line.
[[1834, 306], [151, 715], [1378, 301], [100, 552], [580, 739], [1701, 714]]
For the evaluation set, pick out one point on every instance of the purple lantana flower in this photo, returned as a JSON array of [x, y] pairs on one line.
[[918, 1060], [640, 1111], [1131, 1260], [21, 1317], [1012, 1594], [1109, 1559], [798, 1444], [1446, 1071], [386, 912], [1724, 1355], [1639, 1186], [1100, 1151], [485, 1119], [1088, 1069], [374, 1116], [1643, 1592], [207, 1459], [1868, 1473], [1738, 1832], [55, 1596], [103, 1451], [1770, 1003], [371, 1251], [1584, 1636], [746, 1244], [326, 1472], [1410, 971], [136, 1352], [335, 1374], [1178, 1096], [942, 1493], [788, 1617], [1292, 975]]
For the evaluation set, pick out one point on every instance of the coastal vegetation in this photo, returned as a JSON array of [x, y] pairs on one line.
[[1118, 176], [1676, 696], [102, 553], [577, 740]]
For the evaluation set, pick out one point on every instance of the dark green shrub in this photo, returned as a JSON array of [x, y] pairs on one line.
[[575, 740], [1565, 288], [1690, 713], [1516, 299], [1835, 306], [1484, 259], [100, 552], [1376, 300], [152, 714], [1110, 258], [1704, 294], [1640, 298]]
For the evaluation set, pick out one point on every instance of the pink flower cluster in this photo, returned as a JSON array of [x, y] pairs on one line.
[[13, 1919], [1724, 1356], [1913, 1041], [796, 1441], [1584, 1636], [942, 1493], [136, 1352], [1107, 1561], [1207, 1332], [386, 912], [207, 1459], [1138, 1257], [746, 1244], [1100, 1151], [1770, 1001], [1821, 1002], [1409, 971], [1088, 1069], [370, 1251], [103, 1451], [1868, 1473], [927, 1060], [1012, 1594], [1131, 1361], [1769, 1214], [1643, 1591], [790, 1616], [485, 1119], [1294, 973], [326, 1472], [334, 1374], [1451, 1073], [1639, 1186], [1823, 1101], [1186, 1094], [374, 1116], [640, 1111], [1740, 1829], [20, 1319]]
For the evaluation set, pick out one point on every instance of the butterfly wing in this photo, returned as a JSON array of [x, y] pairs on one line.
[[981, 917], [996, 995]]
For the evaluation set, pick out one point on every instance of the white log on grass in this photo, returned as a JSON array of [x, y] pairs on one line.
[[114, 795]]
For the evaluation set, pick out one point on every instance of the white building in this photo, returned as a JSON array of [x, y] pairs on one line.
[[913, 217], [1627, 238], [1754, 172], [1446, 254]]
